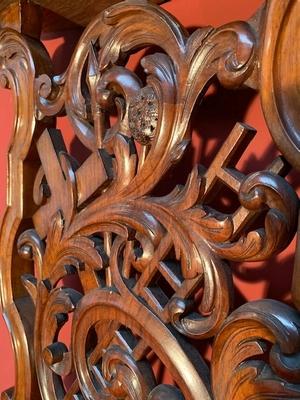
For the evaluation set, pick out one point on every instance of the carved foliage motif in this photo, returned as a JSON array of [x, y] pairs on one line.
[[141, 260]]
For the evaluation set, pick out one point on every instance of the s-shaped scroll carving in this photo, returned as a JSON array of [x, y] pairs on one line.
[[248, 334], [21, 60]]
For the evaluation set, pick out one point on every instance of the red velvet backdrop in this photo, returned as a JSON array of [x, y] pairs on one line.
[[211, 123]]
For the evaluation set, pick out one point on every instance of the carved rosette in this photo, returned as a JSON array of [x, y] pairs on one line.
[[148, 272]]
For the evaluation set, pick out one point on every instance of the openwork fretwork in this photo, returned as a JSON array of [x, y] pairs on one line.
[[149, 273]]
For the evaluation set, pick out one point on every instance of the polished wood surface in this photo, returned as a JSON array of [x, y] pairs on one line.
[[80, 12], [17, 14], [22, 16], [280, 76], [141, 276]]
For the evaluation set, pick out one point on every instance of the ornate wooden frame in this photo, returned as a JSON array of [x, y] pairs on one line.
[[141, 258]]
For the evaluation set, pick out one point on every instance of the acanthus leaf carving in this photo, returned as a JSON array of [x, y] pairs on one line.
[[263, 321]]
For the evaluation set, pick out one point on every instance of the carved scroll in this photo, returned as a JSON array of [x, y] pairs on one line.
[[152, 271]]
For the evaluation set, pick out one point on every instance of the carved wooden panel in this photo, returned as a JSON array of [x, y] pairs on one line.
[[153, 272]]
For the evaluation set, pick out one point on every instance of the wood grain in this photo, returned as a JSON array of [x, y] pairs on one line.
[[151, 274], [22, 16], [14, 13], [83, 13], [280, 76]]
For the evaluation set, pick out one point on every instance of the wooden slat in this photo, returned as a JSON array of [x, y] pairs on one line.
[[26, 16], [81, 13], [21, 16]]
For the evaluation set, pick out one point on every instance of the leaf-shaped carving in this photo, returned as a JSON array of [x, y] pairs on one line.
[[104, 305], [177, 77], [257, 192], [215, 304], [243, 339], [53, 307]]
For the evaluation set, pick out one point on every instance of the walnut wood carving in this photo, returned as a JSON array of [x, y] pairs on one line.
[[140, 258]]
